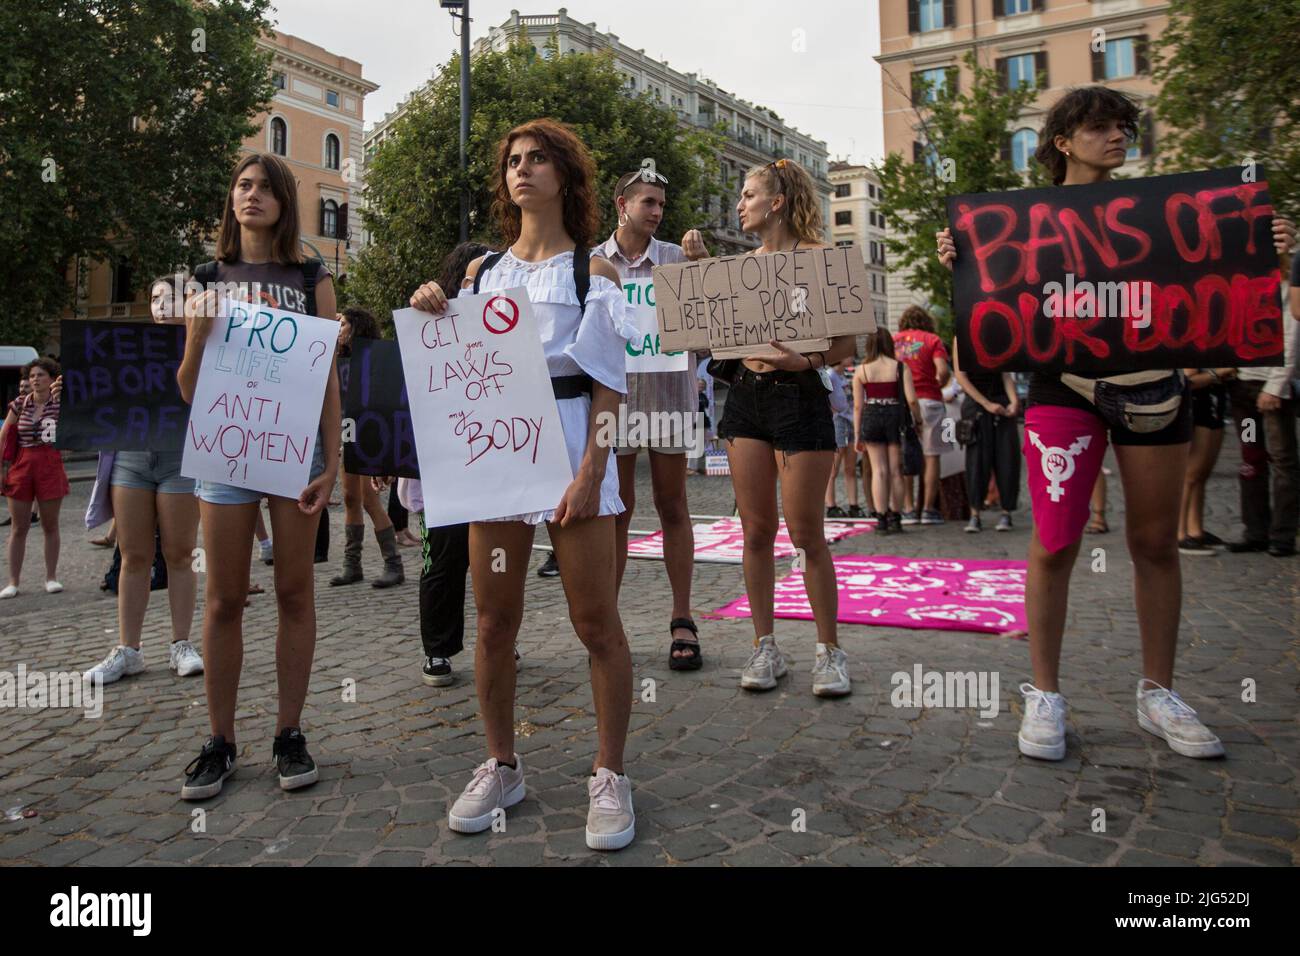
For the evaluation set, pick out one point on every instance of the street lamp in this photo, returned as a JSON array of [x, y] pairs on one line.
[[463, 6]]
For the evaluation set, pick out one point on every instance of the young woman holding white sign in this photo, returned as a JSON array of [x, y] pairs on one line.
[[259, 243], [1084, 138], [777, 425], [545, 206]]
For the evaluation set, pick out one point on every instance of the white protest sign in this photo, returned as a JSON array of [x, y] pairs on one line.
[[487, 427], [644, 353], [257, 403]]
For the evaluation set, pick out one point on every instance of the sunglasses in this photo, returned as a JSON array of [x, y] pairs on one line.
[[645, 176]]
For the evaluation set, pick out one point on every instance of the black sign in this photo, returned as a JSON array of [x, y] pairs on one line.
[[119, 387], [1162, 272], [376, 406]]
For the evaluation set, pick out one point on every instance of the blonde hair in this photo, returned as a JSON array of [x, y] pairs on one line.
[[802, 210]]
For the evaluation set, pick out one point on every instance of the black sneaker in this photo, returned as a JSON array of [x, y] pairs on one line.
[[550, 567], [1190, 545], [855, 511], [209, 770], [296, 767], [835, 511], [1213, 540], [437, 671]]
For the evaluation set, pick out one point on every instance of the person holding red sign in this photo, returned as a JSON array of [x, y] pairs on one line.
[[545, 206], [1084, 138], [259, 243], [777, 425]]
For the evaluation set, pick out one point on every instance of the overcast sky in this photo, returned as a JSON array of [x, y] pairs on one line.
[[831, 91]]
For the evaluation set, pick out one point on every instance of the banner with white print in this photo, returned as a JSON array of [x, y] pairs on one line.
[[487, 427], [645, 353], [948, 594], [257, 404], [723, 541]]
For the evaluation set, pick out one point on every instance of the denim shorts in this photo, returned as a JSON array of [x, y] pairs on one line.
[[216, 493], [791, 411], [158, 471], [843, 431]]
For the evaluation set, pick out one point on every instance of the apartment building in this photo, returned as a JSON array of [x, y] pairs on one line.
[[1050, 45], [855, 220]]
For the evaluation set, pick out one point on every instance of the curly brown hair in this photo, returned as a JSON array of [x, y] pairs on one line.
[[577, 175], [787, 178], [51, 367], [1078, 107], [915, 317]]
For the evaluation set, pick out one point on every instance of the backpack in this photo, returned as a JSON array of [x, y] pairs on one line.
[[581, 273], [206, 274], [1142, 402]]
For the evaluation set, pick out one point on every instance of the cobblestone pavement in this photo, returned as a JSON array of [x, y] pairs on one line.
[[720, 775]]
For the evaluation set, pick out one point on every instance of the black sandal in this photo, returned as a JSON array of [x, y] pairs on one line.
[[696, 660]]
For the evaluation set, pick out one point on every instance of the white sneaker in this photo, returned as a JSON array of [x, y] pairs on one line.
[[10, 591], [122, 661], [611, 823], [493, 787], [184, 659], [1165, 714], [53, 587], [1042, 730], [831, 672], [268, 552], [764, 666]]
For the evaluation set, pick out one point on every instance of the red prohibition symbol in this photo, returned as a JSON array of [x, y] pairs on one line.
[[500, 315]]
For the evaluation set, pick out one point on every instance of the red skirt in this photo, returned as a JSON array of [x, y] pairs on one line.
[[37, 475]]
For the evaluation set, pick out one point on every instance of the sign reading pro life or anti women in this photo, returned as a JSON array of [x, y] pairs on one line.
[[487, 427], [257, 404], [1162, 272], [645, 353]]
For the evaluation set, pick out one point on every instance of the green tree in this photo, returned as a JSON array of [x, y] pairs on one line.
[[962, 133], [119, 124], [413, 182], [1229, 89]]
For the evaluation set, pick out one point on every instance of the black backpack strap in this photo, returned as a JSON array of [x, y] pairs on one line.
[[582, 276], [206, 272], [310, 269], [491, 259]]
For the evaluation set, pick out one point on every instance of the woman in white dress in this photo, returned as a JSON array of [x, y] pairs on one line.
[[546, 210]]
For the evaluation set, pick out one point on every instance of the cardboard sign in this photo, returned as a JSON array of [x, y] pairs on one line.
[[1163, 272], [736, 305], [119, 387], [487, 427], [383, 440], [646, 354], [257, 404]]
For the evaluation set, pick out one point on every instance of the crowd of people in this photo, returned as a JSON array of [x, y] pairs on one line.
[[791, 423]]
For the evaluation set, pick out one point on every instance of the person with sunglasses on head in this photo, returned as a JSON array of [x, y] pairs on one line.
[[777, 426], [146, 494], [640, 198], [545, 207], [1084, 139], [259, 247]]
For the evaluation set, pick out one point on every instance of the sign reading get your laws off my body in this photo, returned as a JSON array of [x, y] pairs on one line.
[[257, 404], [487, 427], [734, 306]]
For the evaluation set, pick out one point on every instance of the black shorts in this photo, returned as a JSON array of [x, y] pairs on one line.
[[881, 423], [1208, 407], [1048, 389], [791, 411]]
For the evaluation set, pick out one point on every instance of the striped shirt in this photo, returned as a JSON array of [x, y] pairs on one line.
[[650, 392], [30, 426]]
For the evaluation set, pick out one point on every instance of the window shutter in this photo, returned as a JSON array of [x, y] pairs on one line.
[[913, 16], [1147, 135], [343, 221], [1099, 64], [1001, 65], [1140, 59], [916, 88], [1006, 149], [917, 150], [1040, 70], [321, 230], [998, 9], [1038, 5], [949, 14]]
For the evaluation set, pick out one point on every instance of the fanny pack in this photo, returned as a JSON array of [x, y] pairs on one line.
[[1142, 402]]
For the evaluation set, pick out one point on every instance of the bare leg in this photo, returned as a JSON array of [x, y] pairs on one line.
[[228, 539], [21, 512], [880, 474], [668, 479], [294, 536], [802, 475], [1047, 599], [136, 519], [931, 482], [374, 507], [753, 478], [627, 492], [178, 519], [49, 512]]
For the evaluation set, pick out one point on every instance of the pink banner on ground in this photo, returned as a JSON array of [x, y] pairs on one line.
[[723, 541], [950, 594]]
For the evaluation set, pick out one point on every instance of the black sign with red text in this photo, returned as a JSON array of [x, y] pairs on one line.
[[1161, 272]]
